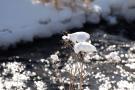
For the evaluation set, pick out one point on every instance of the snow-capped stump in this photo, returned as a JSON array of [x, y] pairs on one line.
[[84, 47], [77, 37]]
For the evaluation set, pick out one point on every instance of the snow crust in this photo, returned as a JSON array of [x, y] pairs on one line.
[[20, 20]]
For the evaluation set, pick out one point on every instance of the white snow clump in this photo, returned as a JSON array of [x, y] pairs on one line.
[[84, 47], [131, 65], [81, 42], [77, 37], [113, 56]]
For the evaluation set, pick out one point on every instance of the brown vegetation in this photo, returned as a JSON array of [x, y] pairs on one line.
[[69, 3]]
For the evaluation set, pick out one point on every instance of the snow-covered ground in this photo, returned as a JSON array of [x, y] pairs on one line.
[[21, 20]]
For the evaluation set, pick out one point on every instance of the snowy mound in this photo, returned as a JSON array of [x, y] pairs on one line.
[[22, 20]]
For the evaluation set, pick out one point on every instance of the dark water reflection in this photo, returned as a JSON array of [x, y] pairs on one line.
[[40, 48]]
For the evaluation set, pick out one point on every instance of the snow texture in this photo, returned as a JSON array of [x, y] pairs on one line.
[[21, 20], [113, 56], [84, 47], [77, 37]]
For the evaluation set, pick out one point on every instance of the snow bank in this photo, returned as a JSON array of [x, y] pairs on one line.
[[124, 8], [21, 20]]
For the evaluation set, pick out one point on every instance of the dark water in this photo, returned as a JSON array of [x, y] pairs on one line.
[[39, 48], [43, 47]]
